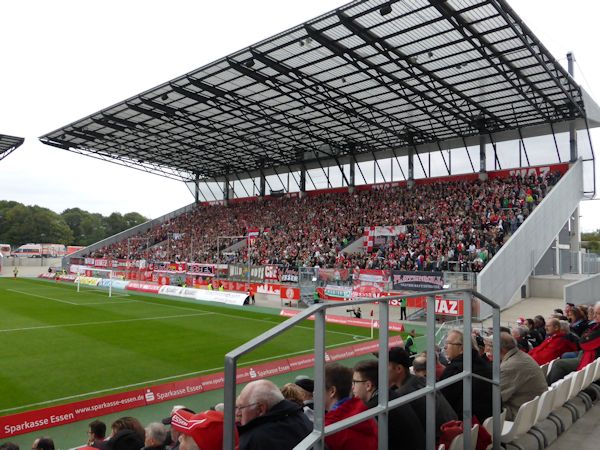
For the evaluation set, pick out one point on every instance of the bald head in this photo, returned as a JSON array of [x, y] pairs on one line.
[[256, 399], [262, 391], [507, 343]]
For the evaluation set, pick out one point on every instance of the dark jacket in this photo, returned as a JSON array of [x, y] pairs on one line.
[[579, 327], [282, 427], [362, 436], [125, 440], [443, 411], [481, 390], [404, 428]]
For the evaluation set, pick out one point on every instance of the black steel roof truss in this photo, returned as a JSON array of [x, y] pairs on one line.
[[410, 64], [242, 103], [341, 51], [505, 67], [540, 54], [279, 86]]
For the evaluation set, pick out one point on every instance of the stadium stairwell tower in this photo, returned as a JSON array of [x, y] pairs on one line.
[[375, 92]]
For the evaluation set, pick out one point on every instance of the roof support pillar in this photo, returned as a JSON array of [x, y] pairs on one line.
[[411, 167], [352, 180], [197, 188], [482, 160], [575, 241], [262, 184], [572, 131], [302, 182], [226, 191]]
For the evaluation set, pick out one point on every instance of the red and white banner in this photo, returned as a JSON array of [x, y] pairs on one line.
[[30, 421], [289, 293], [271, 273], [143, 287], [448, 307]]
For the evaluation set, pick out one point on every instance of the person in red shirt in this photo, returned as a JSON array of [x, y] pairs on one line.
[[339, 406], [555, 344]]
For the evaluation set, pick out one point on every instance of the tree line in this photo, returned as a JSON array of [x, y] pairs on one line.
[[591, 241], [20, 224]]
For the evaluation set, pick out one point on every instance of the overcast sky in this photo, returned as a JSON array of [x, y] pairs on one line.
[[63, 60]]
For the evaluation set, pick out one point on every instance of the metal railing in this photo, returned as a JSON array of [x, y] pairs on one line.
[[316, 439]]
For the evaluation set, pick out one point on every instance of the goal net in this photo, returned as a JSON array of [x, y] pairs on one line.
[[93, 278]]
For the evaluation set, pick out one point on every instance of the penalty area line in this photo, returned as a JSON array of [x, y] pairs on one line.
[[42, 296]]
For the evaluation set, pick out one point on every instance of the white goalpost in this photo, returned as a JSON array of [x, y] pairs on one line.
[[90, 280]]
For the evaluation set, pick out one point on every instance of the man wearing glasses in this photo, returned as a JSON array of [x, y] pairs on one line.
[[481, 390], [266, 420]]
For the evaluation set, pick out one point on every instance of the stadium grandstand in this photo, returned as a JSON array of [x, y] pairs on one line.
[[387, 154], [9, 144]]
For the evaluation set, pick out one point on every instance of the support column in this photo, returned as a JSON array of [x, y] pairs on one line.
[[226, 191], [572, 131], [197, 188], [557, 256], [352, 179], [302, 182], [411, 167], [262, 184], [575, 241], [483, 175]]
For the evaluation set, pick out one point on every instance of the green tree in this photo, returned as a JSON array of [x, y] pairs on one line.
[[20, 224]]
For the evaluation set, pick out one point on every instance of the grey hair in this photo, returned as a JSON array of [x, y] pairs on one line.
[[264, 391], [564, 326], [458, 333], [156, 431], [523, 330]]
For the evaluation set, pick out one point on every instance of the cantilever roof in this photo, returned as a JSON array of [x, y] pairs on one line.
[[9, 144], [368, 79]]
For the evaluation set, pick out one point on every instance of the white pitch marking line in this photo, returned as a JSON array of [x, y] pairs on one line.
[[108, 322], [107, 302], [42, 296], [150, 382], [239, 317]]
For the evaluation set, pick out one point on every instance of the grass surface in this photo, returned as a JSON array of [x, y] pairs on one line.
[[58, 345]]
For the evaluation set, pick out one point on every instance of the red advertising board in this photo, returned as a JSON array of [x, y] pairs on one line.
[[60, 415], [142, 287], [289, 293]]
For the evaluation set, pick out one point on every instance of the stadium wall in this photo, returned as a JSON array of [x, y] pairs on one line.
[[584, 291], [509, 269]]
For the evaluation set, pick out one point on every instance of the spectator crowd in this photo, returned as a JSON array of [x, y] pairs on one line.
[[449, 225], [269, 417]]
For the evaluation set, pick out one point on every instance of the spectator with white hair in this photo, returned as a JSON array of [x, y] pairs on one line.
[[521, 378], [267, 420], [156, 435]]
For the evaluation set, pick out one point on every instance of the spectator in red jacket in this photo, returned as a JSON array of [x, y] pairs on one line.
[[339, 406], [555, 344]]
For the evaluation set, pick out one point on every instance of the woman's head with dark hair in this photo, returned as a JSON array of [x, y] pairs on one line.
[[129, 423]]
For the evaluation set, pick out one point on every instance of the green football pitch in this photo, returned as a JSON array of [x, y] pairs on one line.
[[58, 345]]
